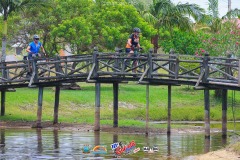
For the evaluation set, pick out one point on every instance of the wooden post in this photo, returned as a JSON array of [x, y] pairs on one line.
[[150, 64], [56, 139], [207, 112], [224, 112], [2, 139], [169, 144], [39, 141], [95, 61], [56, 104], [115, 138], [207, 145], [39, 111], [97, 107], [206, 95], [169, 109], [115, 104], [96, 138], [147, 109], [3, 96]]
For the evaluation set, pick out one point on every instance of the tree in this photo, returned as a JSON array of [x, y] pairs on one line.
[[6, 9], [165, 14]]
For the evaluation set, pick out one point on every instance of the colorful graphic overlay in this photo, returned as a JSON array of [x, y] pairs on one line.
[[99, 150]]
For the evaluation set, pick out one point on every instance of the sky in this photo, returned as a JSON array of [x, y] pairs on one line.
[[222, 4]]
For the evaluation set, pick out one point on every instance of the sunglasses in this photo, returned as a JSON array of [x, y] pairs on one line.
[[36, 38]]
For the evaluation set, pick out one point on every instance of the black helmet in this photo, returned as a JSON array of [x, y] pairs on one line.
[[35, 37], [136, 30]]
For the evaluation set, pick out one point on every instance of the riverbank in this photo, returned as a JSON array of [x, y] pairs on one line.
[[104, 128]]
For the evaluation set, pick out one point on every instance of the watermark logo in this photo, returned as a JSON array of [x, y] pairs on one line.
[[86, 149], [120, 149], [99, 150], [153, 149]]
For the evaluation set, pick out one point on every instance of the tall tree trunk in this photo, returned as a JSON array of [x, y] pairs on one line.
[[4, 40], [229, 5], [155, 43]]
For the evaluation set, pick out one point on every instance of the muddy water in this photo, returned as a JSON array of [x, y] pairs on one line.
[[55, 144]]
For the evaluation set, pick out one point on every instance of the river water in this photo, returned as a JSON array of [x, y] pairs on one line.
[[23, 144]]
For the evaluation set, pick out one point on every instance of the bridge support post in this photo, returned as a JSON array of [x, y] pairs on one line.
[[39, 111], [147, 109], [169, 108], [3, 95], [56, 104], [207, 113], [224, 112], [97, 107], [115, 104]]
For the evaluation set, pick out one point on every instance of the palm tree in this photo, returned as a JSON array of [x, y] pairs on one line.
[[9, 6], [229, 5], [165, 14]]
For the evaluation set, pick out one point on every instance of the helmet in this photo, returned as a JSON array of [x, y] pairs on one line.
[[35, 37], [136, 30]]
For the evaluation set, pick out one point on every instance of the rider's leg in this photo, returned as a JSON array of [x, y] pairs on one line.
[[29, 73], [126, 61]]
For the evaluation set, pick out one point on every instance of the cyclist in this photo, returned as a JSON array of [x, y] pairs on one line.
[[34, 48], [133, 41], [132, 45]]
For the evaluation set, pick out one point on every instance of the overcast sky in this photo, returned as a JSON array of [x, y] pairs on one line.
[[222, 4]]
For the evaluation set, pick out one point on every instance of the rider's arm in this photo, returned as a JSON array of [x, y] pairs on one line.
[[28, 49], [138, 45], [43, 49], [129, 42]]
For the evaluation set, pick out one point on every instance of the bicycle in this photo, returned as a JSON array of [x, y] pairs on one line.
[[139, 61]]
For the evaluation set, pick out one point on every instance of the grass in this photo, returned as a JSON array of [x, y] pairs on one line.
[[79, 106]]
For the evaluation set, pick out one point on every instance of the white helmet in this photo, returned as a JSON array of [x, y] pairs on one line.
[[35, 37]]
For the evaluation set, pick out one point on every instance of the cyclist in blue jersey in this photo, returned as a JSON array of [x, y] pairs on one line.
[[33, 50], [34, 47]]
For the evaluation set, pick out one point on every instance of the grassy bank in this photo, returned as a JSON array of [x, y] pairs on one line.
[[78, 106]]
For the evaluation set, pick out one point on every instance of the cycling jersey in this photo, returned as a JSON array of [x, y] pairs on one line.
[[134, 41], [35, 48]]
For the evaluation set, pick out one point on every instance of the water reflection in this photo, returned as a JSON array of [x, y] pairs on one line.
[[2, 141], [169, 144], [55, 144], [39, 141], [207, 144]]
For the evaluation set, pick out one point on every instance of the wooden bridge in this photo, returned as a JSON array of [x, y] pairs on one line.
[[202, 72]]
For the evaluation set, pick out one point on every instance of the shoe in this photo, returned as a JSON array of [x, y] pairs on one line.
[[29, 75], [11, 90]]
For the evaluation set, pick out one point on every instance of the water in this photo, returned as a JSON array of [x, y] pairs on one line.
[[56, 144]]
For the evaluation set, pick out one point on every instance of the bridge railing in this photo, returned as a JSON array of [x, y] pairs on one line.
[[144, 67], [223, 70], [62, 68], [14, 72]]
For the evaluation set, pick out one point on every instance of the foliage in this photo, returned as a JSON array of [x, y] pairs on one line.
[[7, 7], [76, 32], [180, 41], [224, 41], [83, 24]]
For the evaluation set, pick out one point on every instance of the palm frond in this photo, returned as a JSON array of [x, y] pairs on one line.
[[213, 8], [192, 10], [232, 14]]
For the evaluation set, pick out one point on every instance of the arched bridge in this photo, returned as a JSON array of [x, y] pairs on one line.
[[202, 72]]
